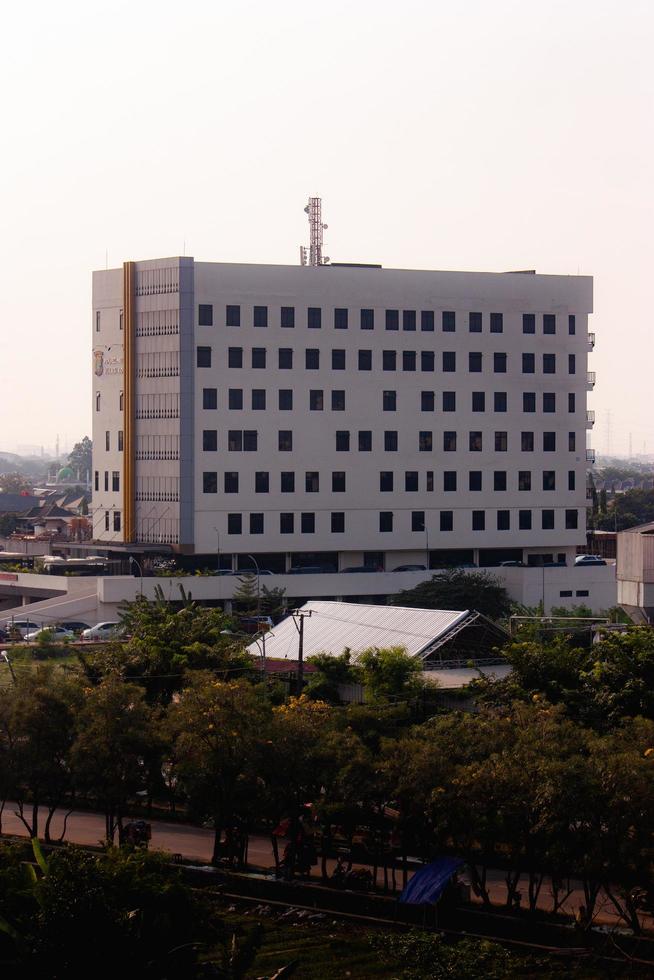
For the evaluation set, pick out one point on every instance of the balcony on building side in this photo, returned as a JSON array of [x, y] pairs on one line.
[[590, 380], [591, 341], [590, 455], [590, 418]]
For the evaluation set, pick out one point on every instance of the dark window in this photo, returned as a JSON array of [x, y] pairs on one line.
[[549, 480], [571, 520], [503, 520], [449, 360], [425, 442], [261, 482], [235, 357], [496, 322], [365, 360], [209, 398], [235, 441], [474, 322], [572, 364], [204, 357], [524, 480], [259, 399], [449, 401], [285, 357], [408, 319], [287, 316], [427, 359], [427, 401], [524, 520], [474, 362], [389, 401], [392, 319], [367, 319], [549, 402], [308, 523], [478, 520], [446, 520], [120, 440], [314, 318], [106, 481], [209, 483], [389, 358], [338, 522], [234, 523], [449, 442], [258, 357], [340, 318], [411, 481], [499, 401], [312, 359], [548, 520], [571, 401], [449, 480], [528, 363], [528, 401], [474, 480], [365, 441], [205, 315], [427, 321], [96, 485], [233, 316], [285, 399], [116, 520], [549, 442], [478, 401], [312, 482], [261, 316], [287, 482], [499, 480], [386, 520], [285, 441], [565, 593], [250, 440], [408, 360], [449, 321], [338, 401], [549, 363], [115, 481], [342, 442], [527, 442], [430, 481], [499, 363], [572, 442], [286, 523], [475, 442], [316, 400], [256, 523], [417, 520], [572, 328], [235, 398], [528, 323], [390, 441], [209, 440], [386, 482], [549, 323], [231, 482], [582, 593], [338, 360], [338, 482], [571, 480]]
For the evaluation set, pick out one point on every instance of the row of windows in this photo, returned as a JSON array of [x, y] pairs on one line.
[[247, 440], [408, 319], [307, 521], [116, 519], [107, 440], [392, 360], [115, 481]]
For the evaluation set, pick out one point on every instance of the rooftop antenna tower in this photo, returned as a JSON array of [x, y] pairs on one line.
[[316, 228]]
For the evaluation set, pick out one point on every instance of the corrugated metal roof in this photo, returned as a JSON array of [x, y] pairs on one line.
[[333, 626]]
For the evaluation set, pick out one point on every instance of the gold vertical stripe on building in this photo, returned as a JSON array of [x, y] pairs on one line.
[[129, 275]]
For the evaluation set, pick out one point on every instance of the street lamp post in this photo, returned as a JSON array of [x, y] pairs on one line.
[[133, 561], [4, 656]]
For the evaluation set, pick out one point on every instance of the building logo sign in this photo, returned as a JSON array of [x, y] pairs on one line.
[[98, 363]]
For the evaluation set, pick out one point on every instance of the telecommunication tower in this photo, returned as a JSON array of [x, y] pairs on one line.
[[316, 228]]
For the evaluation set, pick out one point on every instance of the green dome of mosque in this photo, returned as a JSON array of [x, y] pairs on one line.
[[65, 475]]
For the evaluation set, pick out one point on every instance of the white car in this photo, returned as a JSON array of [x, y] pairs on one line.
[[101, 631], [22, 626], [52, 632]]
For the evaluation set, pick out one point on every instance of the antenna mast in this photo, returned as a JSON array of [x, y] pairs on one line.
[[316, 228]]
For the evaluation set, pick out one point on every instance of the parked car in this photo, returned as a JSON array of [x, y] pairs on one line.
[[52, 633], [20, 626], [252, 571], [102, 631], [311, 570], [74, 626], [4, 636], [512, 564], [361, 568], [589, 560], [410, 568]]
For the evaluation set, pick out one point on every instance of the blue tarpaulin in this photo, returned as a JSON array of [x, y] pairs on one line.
[[428, 884]]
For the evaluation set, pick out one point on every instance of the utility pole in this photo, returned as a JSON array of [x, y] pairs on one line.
[[301, 614]]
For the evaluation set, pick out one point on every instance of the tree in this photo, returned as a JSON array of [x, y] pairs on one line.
[[273, 602], [14, 483], [331, 672], [80, 459], [390, 674], [8, 525], [246, 595], [458, 590]]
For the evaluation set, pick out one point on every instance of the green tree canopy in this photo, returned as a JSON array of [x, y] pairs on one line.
[[458, 590], [80, 457]]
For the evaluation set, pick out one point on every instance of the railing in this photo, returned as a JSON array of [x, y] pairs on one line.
[[591, 341], [590, 380], [590, 418], [590, 455]]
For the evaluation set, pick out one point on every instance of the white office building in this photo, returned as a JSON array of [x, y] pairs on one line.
[[340, 416]]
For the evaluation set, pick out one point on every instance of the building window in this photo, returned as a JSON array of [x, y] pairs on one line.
[[524, 480], [285, 358], [408, 360], [286, 523], [418, 520], [121, 402], [529, 401], [474, 362], [411, 481], [316, 400], [427, 321], [528, 363], [478, 520], [312, 359], [258, 357], [233, 316], [338, 401], [338, 360], [549, 480], [547, 520], [392, 319], [386, 521], [312, 482], [527, 442], [524, 520], [365, 360], [475, 481], [572, 442], [342, 442], [367, 320], [446, 520], [496, 322], [427, 360], [474, 322], [97, 330], [549, 442], [499, 401], [235, 398], [287, 317], [260, 316], [572, 328], [425, 444], [571, 520], [449, 401], [582, 593], [250, 438], [256, 523], [549, 323], [115, 481], [116, 520], [386, 482], [389, 401], [499, 363], [234, 523], [427, 401], [408, 319], [261, 482], [340, 319], [499, 480], [204, 357], [209, 398], [107, 440], [106, 520], [565, 593], [449, 361], [209, 482], [235, 357], [549, 401], [231, 482], [390, 441], [449, 481], [338, 481], [314, 318], [449, 442], [205, 315], [448, 321], [549, 363], [365, 441], [121, 320], [572, 364], [96, 481], [258, 399], [209, 440], [571, 479], [528, 323], [478, 401], [308, 523], [287, 483], [97, 401], [571, 401], [338, 522], [389, 360], [475, 442], [430, 481], [285, 399], [234, 441], [504, 520], [120, 440]]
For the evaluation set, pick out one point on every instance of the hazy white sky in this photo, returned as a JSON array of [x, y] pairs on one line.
[[445, 135]]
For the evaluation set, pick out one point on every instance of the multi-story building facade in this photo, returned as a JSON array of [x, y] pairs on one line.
[[340, 415]]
